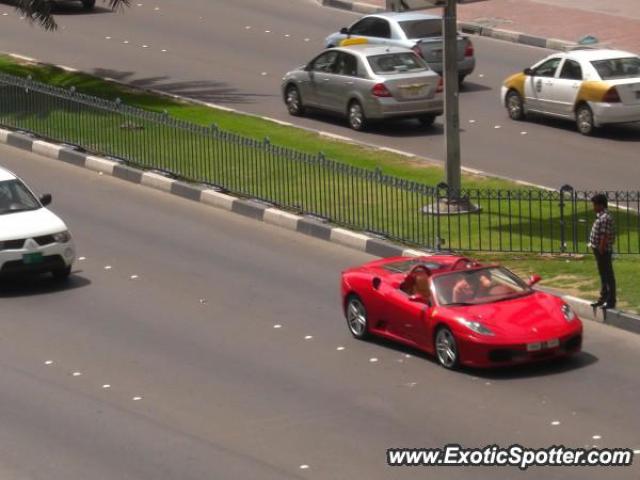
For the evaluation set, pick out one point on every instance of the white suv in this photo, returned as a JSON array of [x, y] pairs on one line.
[[32, 239]]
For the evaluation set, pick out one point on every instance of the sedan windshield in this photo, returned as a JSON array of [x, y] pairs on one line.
[[15, 197], [393, 63], [618, 68], [422, 28], [484, 285]]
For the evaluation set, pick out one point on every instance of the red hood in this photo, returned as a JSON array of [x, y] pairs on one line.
[[521, 319]]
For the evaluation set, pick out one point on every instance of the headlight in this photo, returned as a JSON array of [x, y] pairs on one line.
[[568, 313], [62, 237], [475, 326]]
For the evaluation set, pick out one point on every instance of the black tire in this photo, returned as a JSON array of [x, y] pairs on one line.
[[446, 348], [427, 120], [356, 315], [88, 4], [293, 101], [584, 120], [461, 79], [61, 274], [356, 117], [514, 105]]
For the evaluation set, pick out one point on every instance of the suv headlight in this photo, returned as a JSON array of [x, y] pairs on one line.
[[62, 237], [477, 327], [568, 314]]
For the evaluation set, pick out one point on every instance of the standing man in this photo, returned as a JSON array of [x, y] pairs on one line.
[[601, 241]]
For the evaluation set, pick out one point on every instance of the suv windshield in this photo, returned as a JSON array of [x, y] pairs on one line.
[[422, 28], [618, 68], [484, 285], [393, 63], [15, 197]]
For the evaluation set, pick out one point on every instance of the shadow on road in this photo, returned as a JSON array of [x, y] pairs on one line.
[[75, 8], [471, 87], [616, 133], [202, 90], [40, 285]]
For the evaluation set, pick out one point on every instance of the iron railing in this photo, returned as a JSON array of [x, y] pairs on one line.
[[522, 220]]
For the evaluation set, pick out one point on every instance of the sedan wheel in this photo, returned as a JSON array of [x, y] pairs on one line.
[[357, 120], [427, 120], [446, 348], [515, 106], [584, 120], [357, 318], [293, 101]]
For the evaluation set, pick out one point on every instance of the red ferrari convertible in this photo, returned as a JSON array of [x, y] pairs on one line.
[[459, 310]]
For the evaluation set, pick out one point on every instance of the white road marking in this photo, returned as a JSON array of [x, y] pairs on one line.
[[287, 35], [555, 423], [76, 374], [410, 384], [156, 9], [497, 127], [341, 348], [472, 121], [488, 384], [203, 301], [135, 399], [163, 50], [106, 385], [125, 41], [308, 337], [107, 267], [407, 355], [99, 173], [277, 325], [82, 259], [481, 75], [48, 362], [304, 467], [597, 437], [133, 277], [523, 133], [247, 27], [139, 5], [306, 39], [107, 38], [145, 46], [373, 360], [636, 452], [264, 74], [267, 31], [5, 14]]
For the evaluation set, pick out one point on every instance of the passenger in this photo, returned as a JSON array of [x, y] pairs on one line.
[[417, 282], [471, 286]]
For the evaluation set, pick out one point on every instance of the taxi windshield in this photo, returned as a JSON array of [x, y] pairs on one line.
[[483, 285]]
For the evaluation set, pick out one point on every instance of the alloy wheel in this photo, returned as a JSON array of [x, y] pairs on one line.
[[446, 348], [357, 317]]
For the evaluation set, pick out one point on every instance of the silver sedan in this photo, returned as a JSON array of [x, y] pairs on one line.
[[365, 83]]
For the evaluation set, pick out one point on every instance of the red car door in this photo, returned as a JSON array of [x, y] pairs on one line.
[[407, 319]]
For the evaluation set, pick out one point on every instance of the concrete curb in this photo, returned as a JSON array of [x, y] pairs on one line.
[[273, 216], [466, 27]]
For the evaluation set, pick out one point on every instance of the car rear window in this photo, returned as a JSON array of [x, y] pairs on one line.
[[394, 63], [422, 28], [628, 67]]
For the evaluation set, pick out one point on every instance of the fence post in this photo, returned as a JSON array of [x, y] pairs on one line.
[[563, 242]]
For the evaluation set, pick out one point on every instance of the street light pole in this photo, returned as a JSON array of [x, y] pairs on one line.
[[451, 107]]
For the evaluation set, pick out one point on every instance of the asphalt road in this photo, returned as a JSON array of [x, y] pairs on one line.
[[176, 304], [235, 53]]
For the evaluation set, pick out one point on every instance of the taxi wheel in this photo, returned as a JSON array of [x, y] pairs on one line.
[[356, 314], [61, 273], [515, 105], [427, 120], [293, 101], [446, 349], [584, 120], [356, 117], [88, 4]]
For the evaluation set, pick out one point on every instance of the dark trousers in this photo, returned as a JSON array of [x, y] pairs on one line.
[[607, 278]]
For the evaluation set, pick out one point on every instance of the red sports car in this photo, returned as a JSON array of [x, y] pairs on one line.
[[459, 310]]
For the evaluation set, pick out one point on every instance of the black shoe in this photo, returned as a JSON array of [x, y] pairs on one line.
[[597, 304], [608, 306]]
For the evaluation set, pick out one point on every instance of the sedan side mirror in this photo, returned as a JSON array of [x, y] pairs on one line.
[[344, 31], [533, 279], [46, 199], [528, 71]]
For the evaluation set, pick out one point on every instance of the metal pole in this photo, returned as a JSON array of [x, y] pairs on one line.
[[451, 108]]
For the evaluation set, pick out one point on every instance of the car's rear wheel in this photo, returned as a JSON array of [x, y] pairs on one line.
[[584, 120], [355, 114], [427, 120], [356, 314], [461, 79], [61, 274], [515, 105], [293, 100], [88, 4], [446, 348]]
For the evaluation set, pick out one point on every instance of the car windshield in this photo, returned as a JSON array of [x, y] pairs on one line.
[[484, 285], [394, 63], [15, 197], [618, 68], [422, 28]]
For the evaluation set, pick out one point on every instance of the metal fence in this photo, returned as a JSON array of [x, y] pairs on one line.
[[522, 220]]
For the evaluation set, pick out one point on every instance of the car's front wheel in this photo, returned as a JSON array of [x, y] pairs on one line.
[[88, 4], [61, 274], [355, 114], [293, 101], [515, 105], [356, 314], [584, 120], [447, 348]]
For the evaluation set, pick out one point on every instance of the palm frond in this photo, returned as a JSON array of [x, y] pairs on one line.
[[39, 11]]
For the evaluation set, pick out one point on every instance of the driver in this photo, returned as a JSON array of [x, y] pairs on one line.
[[471, 286], [418, 282]]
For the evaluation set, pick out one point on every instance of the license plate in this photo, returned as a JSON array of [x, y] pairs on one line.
[[537, 346], [32, 258], [413, 92]]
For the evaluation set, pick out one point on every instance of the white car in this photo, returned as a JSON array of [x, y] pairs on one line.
[[593, 87], [32, 239]]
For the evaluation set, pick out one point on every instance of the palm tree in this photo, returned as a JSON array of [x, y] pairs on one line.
[[39, 11]]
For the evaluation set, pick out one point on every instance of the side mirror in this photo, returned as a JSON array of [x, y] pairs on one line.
[[376, 282], [46, 199], [416, 297], [344, 31], [533, 279], [528, 71]]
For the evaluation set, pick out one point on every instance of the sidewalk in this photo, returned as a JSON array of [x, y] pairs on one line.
[[567, 20]]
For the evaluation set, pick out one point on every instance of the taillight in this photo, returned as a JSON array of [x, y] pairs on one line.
[[417, 50], [468, 51], [379, 90], [611, 96], [440, 87]]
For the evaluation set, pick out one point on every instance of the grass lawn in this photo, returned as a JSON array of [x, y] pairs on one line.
[[346, 189]]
